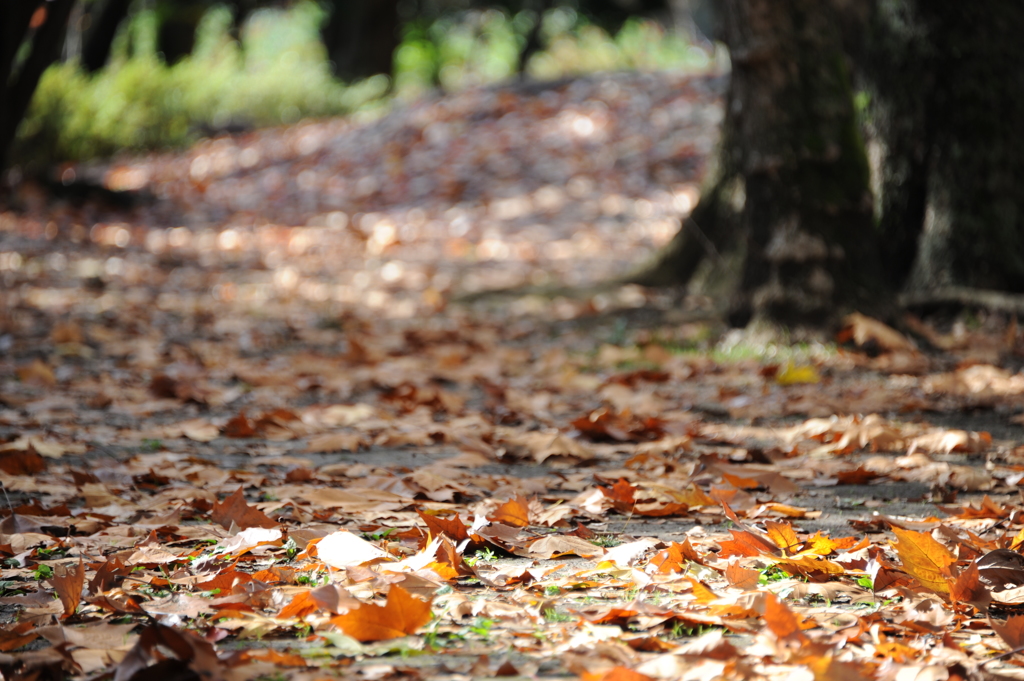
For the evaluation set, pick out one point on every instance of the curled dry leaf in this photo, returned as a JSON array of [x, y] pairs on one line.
[[563, 545], [947, 441], [174, 652], [1000, 569], [872, 335]]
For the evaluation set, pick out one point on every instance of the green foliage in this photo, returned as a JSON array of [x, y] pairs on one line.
[[482, 627], [552, 615], [139, 103], [771, 574], [41, 572], [281, 75], [486, 555]]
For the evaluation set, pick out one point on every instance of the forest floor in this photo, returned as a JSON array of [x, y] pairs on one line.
[[260, 419]]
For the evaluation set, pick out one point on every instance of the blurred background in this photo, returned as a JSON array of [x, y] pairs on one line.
[[136, 75]]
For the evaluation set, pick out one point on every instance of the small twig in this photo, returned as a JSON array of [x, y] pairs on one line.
[[961, 295], [707, 243], [7, 498], [1008, 653]]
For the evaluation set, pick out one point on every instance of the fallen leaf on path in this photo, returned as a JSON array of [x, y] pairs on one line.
[[68, 581], [563, 545], [344, 549], [401, 615], [235, 510], [924, 559]]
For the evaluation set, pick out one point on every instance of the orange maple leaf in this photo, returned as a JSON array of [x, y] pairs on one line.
[[513, 512], [401, 615]]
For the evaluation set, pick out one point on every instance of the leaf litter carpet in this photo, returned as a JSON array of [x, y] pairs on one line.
[[248, 429]]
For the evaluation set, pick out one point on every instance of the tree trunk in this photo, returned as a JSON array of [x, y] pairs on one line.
[[791, 191], [18, 81], [945, 82], [361, 37], [972, 232], [100, 37]]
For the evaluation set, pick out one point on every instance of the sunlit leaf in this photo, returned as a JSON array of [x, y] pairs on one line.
[[401, 615], [924, 558]]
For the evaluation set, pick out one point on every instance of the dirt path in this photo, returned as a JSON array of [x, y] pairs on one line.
[[266, 356]]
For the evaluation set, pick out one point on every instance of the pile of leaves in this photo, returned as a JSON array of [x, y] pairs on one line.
[[245, 433]]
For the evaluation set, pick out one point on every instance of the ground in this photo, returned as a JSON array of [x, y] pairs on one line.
[[260, 418]]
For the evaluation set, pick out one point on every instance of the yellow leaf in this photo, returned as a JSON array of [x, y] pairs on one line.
[[924, 558], [793, 375], [783, 535]]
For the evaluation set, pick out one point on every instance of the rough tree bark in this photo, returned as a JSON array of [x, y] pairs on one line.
[[99, 39], [789, 199], [361, 37], [951, 143], [791, 192]]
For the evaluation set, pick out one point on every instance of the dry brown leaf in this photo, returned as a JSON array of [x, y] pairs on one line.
[[871, 334], [37, 372], [15, 636], [235, 510], [967, 588], [746, 543], [337, 442], [1011, 631], [68, 581], [563, 545], [1000, 569], [617, 673], [453, 527]]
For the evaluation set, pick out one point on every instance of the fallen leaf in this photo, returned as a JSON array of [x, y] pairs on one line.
[[924, 559], [515, 512], [968, 588], [781, 620], [172, 654], [617, 673], [872, 335], [795, 375], [741, 577], [68, 581], [401, 615], [1011, 631], [235, 510], [343, 549], [563, 545], [17, 635], [1000, 569]]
